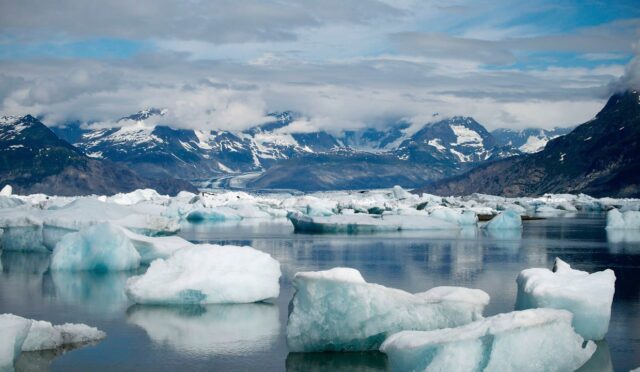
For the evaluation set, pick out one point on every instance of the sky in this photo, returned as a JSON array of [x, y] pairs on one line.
[[225, 64]]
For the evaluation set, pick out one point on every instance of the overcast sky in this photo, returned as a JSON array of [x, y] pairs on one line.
[[342, 64]]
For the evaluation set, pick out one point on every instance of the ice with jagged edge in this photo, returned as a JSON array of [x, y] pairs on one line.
[[506, 220], [153, 247], [18, 334], [102, 247], [623, 220], [587, 296], [530, 340], [207, 274], [337, 310]]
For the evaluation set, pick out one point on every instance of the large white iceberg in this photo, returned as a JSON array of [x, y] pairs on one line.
[[361, 222], [337, 310], [505, 220], [587, 296], [206, 274], [236, 329], [623, 220], [102, 247], [523, 341], [13, 332], [460, 217]]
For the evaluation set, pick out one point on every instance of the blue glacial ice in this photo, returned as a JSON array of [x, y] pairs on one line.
[[587, 296], [207, 274], [530, 340], [13, 331], [505, 220], [336, 310], [102, 247]]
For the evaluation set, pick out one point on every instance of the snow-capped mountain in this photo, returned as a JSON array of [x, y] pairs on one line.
[[529, 140], [155, 150], [34, 159]]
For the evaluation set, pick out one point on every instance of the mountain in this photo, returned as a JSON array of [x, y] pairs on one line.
[[600, 157], [528, 140], [33, 159]]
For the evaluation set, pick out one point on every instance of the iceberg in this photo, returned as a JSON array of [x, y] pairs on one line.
[[530, 340], [45, 336], [103, 247], [153, 247], [623, 220], [360, 222], [587, 296], [236, 329], [460, 217], [213, 214], [13, 331], [208, 274], [505, 220], [336, 310], [7, 190]]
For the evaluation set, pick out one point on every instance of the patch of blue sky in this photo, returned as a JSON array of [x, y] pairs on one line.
[[102, 48], [544, 60]]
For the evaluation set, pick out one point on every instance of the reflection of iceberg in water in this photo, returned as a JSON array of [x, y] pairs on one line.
[[97, 292], [623, 241], [355, 361], [600, 360], [41, 360], [213, 329]]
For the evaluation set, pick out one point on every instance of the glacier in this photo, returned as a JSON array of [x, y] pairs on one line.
[[529, 340], [102, 247], [208, 274], [337, 310], [587, 296]]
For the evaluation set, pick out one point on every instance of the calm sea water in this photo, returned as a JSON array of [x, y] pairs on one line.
[[252, 337]]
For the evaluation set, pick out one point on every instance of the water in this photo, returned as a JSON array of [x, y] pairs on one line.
[[252, 337]]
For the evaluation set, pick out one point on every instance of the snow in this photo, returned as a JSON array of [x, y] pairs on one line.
[[505, 220], [437, 144], [206, 274], [587, 296], [534, 144], [238, 329], [466, 136], [623, 220], [7, 190], [529, 340], [102, 247], [13, 332], [336, 310]]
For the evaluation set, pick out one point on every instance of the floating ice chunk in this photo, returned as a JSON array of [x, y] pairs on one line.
[[7, 190], [135, 197], [213, 214], [530, 340], [623, 220], [103, 247], [587, 296], [337, 310], [505, 220], [45, 336], [236, 329], [206, 274], [459, 217], [401, 194], [13, 332], [358, 222], [151, 248]]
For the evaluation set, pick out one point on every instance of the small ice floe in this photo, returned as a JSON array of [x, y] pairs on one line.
[[505, 220], [587, 296], [362, 222], [530, 340], [336, 310], [208, 274], [18, 334]]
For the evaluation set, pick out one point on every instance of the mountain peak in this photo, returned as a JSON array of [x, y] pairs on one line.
[[144, 114]]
